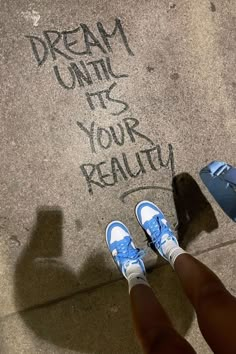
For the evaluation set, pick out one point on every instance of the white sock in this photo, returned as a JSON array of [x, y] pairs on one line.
[[135, 276], [172, 250]]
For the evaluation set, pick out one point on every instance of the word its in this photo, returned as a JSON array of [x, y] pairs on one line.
[[100, 96], [108, 173], [83, 73], [104, 138], [68, 40]]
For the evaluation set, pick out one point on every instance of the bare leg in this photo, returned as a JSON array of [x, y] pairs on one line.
[[214, 305], [153, 326]]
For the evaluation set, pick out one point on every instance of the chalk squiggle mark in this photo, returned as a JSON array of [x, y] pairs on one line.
[[131, 191]]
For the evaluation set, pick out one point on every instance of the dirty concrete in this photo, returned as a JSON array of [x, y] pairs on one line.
[[166, 108]]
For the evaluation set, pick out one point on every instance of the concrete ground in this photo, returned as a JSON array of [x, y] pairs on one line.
[[103, 104]]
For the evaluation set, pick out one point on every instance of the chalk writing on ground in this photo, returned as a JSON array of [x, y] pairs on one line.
[[76, 49], [109, 172], [71, 47]]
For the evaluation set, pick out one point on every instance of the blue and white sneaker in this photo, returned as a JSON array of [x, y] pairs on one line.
[[122, 248], [153, 221]]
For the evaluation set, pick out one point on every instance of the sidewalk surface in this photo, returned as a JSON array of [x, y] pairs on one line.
[[106, 103]]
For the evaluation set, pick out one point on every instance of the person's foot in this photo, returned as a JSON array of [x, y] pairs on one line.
[[153, 221], [125, 254]]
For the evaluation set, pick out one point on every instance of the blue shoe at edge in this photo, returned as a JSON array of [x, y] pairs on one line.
[[220, 179], [153, 221], [122, 248]]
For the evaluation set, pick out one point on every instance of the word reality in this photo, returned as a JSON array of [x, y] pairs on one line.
[[110, 172]]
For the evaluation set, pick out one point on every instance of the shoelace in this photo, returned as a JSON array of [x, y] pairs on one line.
[[156, 228], [126, 251]]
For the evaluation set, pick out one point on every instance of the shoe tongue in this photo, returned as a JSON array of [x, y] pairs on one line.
[[157, 223], [157, 231]]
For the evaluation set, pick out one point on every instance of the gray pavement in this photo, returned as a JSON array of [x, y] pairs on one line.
[[103, 104]]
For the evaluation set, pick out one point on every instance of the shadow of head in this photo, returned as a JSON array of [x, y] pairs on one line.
[[95, 320], [194, 212]]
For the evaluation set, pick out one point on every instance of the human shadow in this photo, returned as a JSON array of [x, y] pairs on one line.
[[194, 212], [51, 302]]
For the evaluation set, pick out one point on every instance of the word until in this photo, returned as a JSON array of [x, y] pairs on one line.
[[85, 73]]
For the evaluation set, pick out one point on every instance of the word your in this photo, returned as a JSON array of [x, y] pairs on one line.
[[65, 44], [104, 138], [108, 173]]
